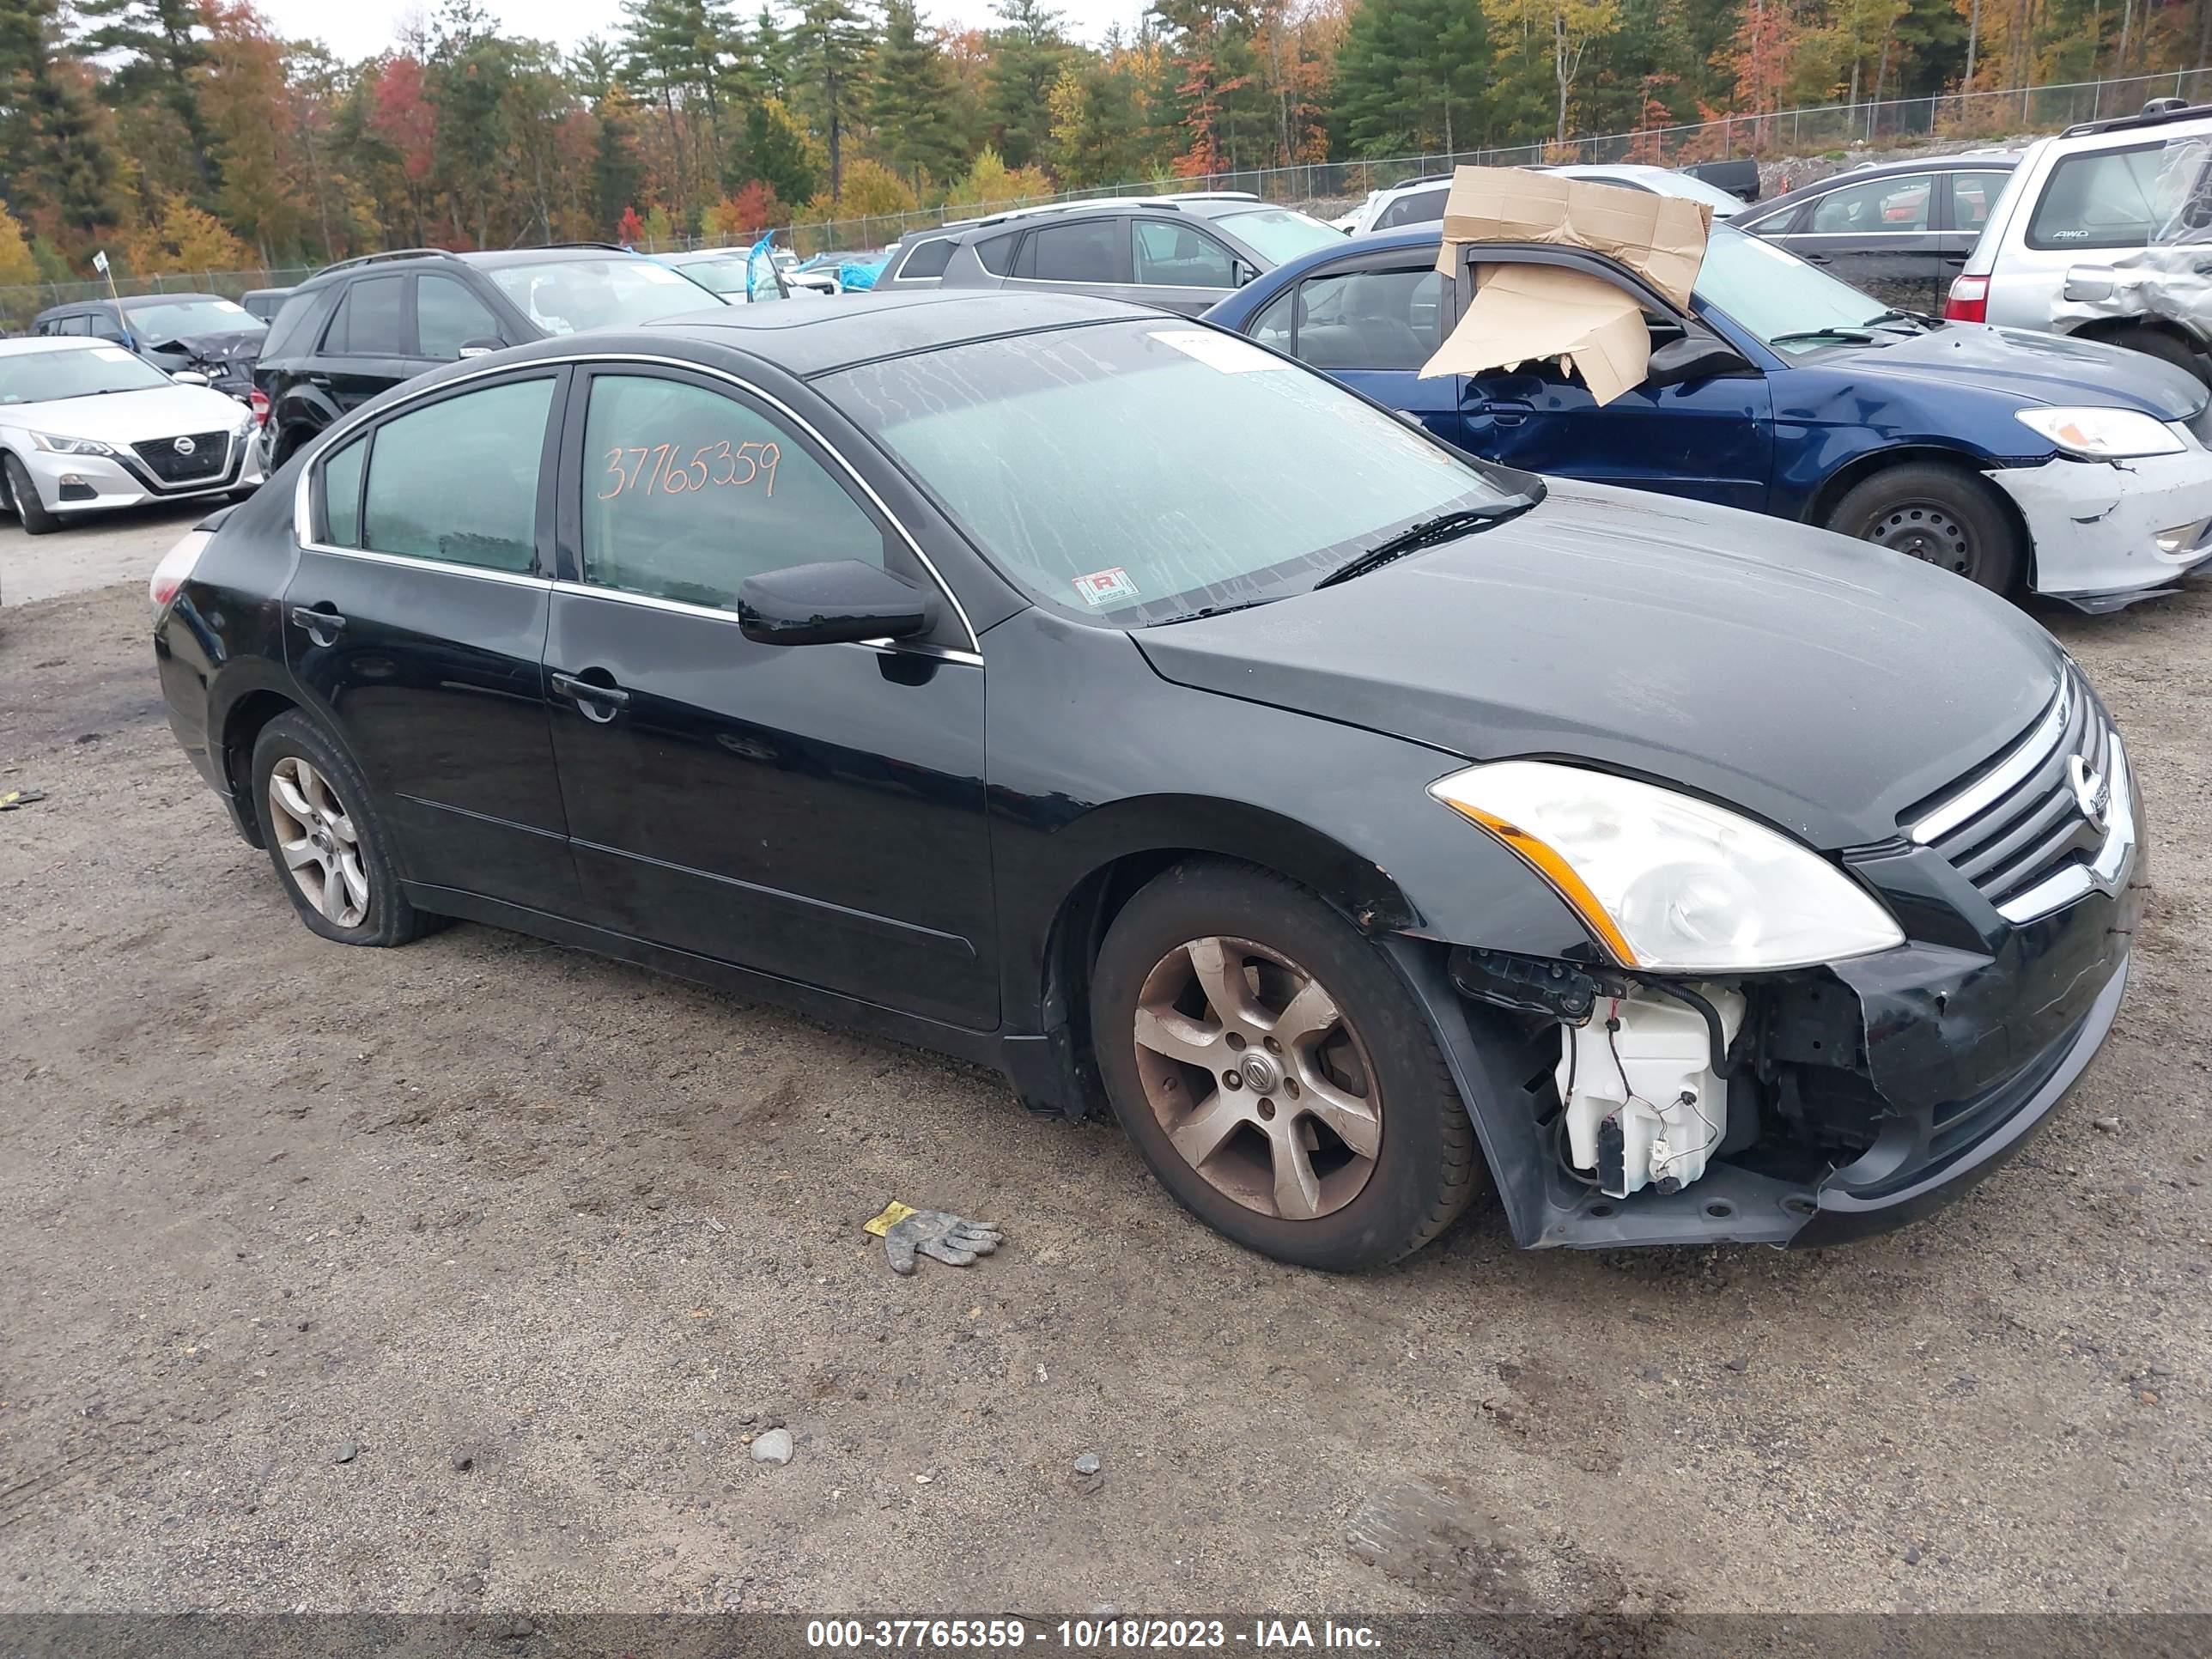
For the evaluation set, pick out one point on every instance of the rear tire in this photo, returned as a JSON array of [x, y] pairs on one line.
[[1943, 515], [2156, 342], [1261, 1160], [30, 511], [324, 836]]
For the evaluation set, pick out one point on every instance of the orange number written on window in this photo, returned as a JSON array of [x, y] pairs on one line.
[[634, 469]]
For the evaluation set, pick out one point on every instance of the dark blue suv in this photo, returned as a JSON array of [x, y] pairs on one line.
[[2022, 461]]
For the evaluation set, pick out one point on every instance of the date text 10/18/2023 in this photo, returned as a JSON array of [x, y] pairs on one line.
[[1085, 1635]]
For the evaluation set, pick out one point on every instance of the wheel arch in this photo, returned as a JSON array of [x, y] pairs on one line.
[[2106, 329], [1856, 471]]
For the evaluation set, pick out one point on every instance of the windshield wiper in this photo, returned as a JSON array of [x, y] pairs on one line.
[[1448, 526], [1919, 322], [1850, 336], [1204, 612]]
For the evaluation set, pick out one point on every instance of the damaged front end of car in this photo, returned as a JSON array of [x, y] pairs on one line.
[[1643, 1095]]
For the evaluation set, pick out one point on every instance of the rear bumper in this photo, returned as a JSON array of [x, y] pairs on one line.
[[2095, 525]]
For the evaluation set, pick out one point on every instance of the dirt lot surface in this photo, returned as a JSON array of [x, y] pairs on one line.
[[454, 1277]]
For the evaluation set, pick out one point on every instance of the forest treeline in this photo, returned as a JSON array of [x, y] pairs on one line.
[[186, 135]]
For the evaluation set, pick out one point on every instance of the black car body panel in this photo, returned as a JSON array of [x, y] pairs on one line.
[[1900, 230], [926, 839], [1591, 629]]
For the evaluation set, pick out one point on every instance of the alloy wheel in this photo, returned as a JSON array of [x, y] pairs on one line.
[[1257, 1080], [1923, 530], [316, 836]]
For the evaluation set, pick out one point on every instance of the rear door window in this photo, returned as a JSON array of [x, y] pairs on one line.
[[1370, 319], [1087, 252], [371, 320], [1878, 205], [458, 481]]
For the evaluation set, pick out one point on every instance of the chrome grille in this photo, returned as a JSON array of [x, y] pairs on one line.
[[2023, 831]]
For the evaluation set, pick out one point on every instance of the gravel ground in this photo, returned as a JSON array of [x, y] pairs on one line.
[[456, 1277]]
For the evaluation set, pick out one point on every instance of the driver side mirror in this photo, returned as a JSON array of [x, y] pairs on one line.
[[1692, 357], [188, 377], [1241, 273], [833, 604], [483, 347]]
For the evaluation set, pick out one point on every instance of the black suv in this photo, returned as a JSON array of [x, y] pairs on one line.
[[358, 327]]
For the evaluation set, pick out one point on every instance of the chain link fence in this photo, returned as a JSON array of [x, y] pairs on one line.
[[20, 304], [1826, 131]]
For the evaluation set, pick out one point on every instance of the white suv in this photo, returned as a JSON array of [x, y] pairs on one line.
[[2100, 234], [1422, 201]]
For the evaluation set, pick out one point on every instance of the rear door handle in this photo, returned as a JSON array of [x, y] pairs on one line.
[[593, 702], [317, 623]]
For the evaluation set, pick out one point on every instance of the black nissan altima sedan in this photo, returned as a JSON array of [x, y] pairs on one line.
[[1059, 684]]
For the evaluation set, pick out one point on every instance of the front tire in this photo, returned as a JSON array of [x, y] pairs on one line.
[[324, 837], [1940, 514], [1275, 1074], [30, 511]]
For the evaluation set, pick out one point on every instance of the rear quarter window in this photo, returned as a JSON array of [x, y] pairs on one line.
[[928, 260], [2114, 198], [297, 320], [996, 255]]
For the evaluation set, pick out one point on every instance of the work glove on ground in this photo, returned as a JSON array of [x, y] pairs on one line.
[[949, 1238]]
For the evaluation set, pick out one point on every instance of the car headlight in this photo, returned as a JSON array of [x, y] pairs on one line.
[[1663, 881], [2101, 435], [61, 445]]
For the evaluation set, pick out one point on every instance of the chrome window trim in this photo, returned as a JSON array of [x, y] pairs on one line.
[[716, 613], [2106, 873], [2006, 776], [409, 561], [302, 502]]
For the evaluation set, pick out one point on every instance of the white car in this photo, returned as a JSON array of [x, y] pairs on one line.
[[2101, 233], [1422, 202], [86, 426]]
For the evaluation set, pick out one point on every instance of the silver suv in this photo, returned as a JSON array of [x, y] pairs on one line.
[[2100, 234]]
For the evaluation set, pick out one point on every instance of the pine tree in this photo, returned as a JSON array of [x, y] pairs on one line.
[[57, 145], [776, 152], [616, 177], [162, 46], [829, 57], [911, 101], [1028, 52]]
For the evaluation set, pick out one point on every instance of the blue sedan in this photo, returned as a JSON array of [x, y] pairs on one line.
[[2021, 461]]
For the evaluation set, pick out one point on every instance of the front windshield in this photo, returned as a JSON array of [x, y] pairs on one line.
[[180, 320], [722, 275], [564, 297], [1069, 459], [1778, 296], [38, 377], [1280, 234]]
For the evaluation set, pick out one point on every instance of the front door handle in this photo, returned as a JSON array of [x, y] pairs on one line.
[[594, 702], [322, 380], [1509, 412], [318, 623]]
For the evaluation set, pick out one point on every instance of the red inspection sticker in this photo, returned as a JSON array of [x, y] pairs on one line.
[[1104, 586]]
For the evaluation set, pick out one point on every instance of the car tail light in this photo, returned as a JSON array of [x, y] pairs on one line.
[[1969, 301], [175, 567], [260, 400]]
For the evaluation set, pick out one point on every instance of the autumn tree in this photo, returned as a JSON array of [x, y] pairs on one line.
[[1564, 30], [181, 237], [910, 100]]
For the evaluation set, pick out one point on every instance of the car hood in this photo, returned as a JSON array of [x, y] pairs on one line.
[[161, 411], [1823, 685], [2038, 369]]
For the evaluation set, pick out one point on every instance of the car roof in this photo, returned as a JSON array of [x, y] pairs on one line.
[[806, 340], [130, 301]]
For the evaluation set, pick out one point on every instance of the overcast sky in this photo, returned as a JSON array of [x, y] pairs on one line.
[[358, 28]]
